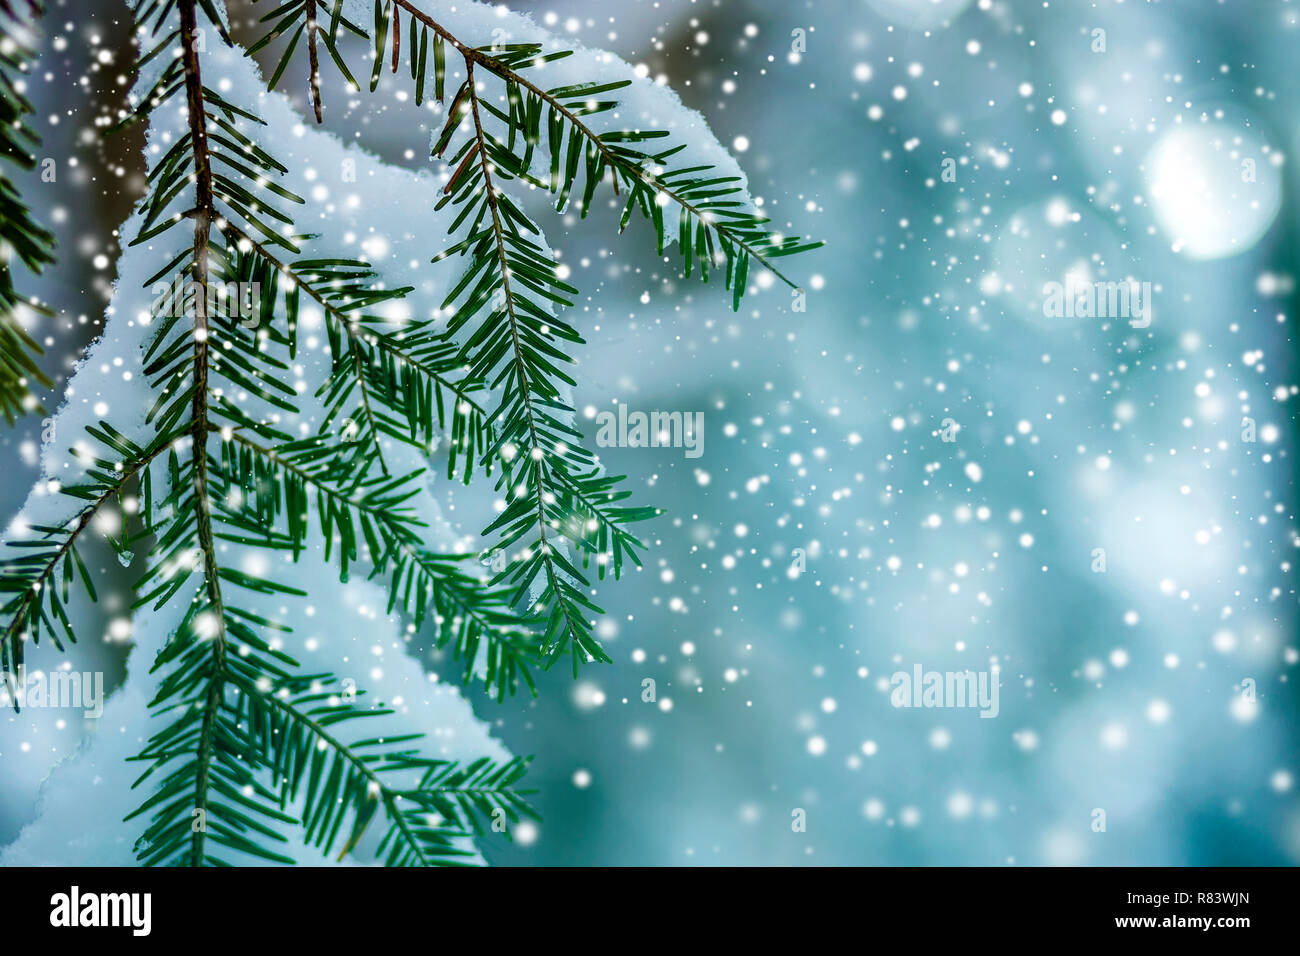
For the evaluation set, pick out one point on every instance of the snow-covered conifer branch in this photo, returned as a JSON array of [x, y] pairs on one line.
[[286, 429], [508, 296], [21, 237]]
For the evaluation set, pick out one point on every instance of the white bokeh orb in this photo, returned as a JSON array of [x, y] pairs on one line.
[[1214, 189]]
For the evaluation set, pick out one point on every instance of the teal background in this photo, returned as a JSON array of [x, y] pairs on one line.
[[770, 713]]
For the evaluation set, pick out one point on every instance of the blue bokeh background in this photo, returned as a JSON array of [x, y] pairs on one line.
[[1127, 691]]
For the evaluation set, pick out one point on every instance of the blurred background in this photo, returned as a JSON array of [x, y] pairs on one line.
[[956, 156]]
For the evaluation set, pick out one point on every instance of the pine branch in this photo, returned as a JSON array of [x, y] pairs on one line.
[[251, 746], [740, 234], [203, 746], [370, 519], [204, 213], [518, 344], [38, 602], [21, 236], [215, 665], [313, 59], [281, 750], [713, 219], [282, 729], [290, 729], [407, 371], [183, 363], [564, 602]]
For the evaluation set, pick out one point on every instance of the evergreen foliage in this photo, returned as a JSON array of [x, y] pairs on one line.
[[247, 744], [21, 236]]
